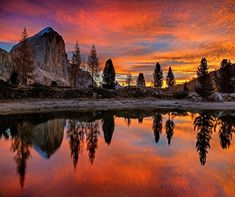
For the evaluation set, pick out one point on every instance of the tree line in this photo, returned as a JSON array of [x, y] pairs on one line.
[[204, 86]]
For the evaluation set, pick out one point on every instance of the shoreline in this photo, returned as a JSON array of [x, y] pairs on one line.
[[8, 107]]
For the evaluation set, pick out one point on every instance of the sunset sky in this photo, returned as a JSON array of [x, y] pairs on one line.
[[135, 34]]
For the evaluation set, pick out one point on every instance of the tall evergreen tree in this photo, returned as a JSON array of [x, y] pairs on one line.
[[140, 82], [204, 86], [170, 78], [129, 79], [76, 62], [158, 76], [23, 60], [93, 63], [109, 75], [225, 82]]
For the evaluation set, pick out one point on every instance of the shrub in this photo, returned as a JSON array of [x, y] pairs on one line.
[[180, 94]]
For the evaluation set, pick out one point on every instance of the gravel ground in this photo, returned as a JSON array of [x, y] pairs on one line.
[[50, 105]]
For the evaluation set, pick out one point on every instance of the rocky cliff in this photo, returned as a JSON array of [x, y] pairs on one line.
[[5, 65], [49, 58]]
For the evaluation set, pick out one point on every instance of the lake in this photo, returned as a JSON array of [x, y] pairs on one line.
[[118, 153]]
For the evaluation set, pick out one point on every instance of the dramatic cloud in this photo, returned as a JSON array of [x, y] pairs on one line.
[[135, 34]]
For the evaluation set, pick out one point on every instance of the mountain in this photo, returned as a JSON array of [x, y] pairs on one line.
[[47, 137], [5, 65], [49, 58]]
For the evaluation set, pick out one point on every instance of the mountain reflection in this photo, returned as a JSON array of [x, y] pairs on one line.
[[47, 137]]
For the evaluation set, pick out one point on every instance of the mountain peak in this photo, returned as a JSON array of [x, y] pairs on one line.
[[41, 33], [45, 30]]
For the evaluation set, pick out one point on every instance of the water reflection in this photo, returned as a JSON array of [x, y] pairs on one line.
[[46, 135], [21, 141]]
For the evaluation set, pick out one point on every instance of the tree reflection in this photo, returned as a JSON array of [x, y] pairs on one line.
[[21, 146], [74, 142], [80, 133], [140, 119], [92, 139], [157, 126], [204, 124], [128, 121], [225, 131], [170, 125], [108, 126]]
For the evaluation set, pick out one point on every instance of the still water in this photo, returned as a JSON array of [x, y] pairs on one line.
[[122, 153]]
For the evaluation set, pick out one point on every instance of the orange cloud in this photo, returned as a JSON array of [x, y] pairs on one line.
[[133, 32]]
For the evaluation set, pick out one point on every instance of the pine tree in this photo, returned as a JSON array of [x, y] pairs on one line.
[[170, 79], [109, 75], [76, 62], [93, 63], [204, 86], [129, 79], [158, 76], [140, 82], [225, 82], [23, 59]]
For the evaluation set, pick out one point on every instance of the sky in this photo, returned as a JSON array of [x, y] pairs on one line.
[[134, 33]]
